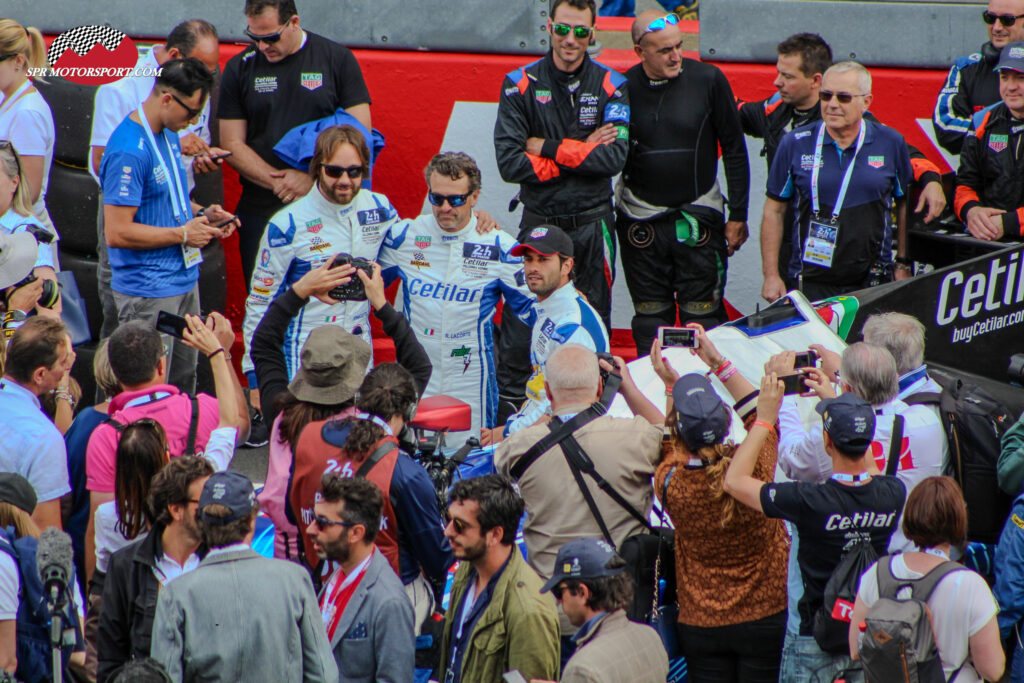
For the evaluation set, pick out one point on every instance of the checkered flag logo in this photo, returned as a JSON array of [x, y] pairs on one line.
[[82, 39]]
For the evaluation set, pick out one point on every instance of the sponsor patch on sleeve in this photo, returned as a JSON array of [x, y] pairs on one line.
[[616, 112]]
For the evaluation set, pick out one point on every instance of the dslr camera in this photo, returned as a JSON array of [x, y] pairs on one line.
[[354, 290]]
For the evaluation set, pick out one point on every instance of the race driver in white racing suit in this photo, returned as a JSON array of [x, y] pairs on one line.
[[333, 217], [452, 279], [562, 316]]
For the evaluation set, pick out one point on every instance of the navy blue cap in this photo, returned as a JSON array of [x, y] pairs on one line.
[[584, 558], [849, 421], [230, 489], [1012, 57], [545, 239], [702, 419]]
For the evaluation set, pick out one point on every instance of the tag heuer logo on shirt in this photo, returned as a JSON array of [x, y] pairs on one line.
[[315, 226], [422, 241], [311, 81], [997, 143], [543, 96], [876, 162]]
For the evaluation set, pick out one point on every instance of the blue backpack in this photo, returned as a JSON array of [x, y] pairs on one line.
[[34, 653]]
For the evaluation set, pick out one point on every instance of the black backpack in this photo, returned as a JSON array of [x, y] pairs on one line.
[[974, 423], [832, 620]]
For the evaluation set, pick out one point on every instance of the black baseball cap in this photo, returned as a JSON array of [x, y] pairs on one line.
[[1011, 57], [544, 239], [584, 558], [702, 419], [16, 490], [230, 489], [849, 421]]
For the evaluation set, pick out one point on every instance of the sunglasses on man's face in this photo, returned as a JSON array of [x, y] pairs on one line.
[[322, 523], [1006, 20], [843, 97], [353, 172], [581, 32], [269, 39], [456, 200], [192, 113]]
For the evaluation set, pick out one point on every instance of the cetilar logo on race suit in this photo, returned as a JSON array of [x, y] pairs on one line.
[[91, 55]]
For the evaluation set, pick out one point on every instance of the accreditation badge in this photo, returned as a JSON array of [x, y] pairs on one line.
[[820, 245], [192, 256]]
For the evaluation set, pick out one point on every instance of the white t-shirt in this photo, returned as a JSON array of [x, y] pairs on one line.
[[10, 587], [108, 539], [28, 124], [961, 605]]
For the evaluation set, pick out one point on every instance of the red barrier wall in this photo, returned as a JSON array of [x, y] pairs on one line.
[[414, 92]]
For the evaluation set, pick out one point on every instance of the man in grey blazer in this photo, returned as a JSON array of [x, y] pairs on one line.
[[239, 616], [366, 611]]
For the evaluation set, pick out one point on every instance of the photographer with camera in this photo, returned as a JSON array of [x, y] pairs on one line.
[[869, 372], [332, 364], [624, 451], [364, 444], [27, 291]]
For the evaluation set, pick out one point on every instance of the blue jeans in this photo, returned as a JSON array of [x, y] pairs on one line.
[[1017, 665], [804, 661]]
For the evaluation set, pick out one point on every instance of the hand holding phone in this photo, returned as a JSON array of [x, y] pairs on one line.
[[169, 323], [795, 384], [685, 337]]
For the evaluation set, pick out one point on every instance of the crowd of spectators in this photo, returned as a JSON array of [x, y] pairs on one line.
[[374, 576]]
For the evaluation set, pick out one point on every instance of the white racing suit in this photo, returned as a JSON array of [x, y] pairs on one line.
[[451, 284], [300, 237], [565, 317]]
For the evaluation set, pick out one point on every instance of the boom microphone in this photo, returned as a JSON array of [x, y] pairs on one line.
[[54, 558]]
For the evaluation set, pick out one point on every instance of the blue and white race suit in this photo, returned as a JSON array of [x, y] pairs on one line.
[[300, 237], [451, 283], [564, 317]]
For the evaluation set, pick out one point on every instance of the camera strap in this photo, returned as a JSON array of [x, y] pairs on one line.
[[559, 430], [375, 458]]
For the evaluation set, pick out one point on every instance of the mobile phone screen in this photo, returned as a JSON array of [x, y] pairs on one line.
[[678, 336], [169, 323]]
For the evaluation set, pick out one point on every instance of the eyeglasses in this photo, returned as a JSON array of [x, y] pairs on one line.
[[353, 172], [323, 523], [192, 113], [1006, 20], [843, 97], [660, 24], [269, 39], [460, 526], [581, 32], [4, 58], [456, 200], [558, 590]]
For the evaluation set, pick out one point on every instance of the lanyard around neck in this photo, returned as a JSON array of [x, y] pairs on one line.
[[846, 176], [15, 96], [179, 199]]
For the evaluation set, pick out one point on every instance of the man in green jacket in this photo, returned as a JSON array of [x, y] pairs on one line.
[[498, 620]]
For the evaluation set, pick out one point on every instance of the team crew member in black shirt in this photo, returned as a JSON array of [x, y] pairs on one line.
[[972, 83], [803, 58], [287, 78], [561, 134], [856, 504], [848, 174], [990, 183], [671, 214]]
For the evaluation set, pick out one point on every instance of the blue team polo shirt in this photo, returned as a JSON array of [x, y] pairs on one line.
[[881, 173], [132, 175]]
